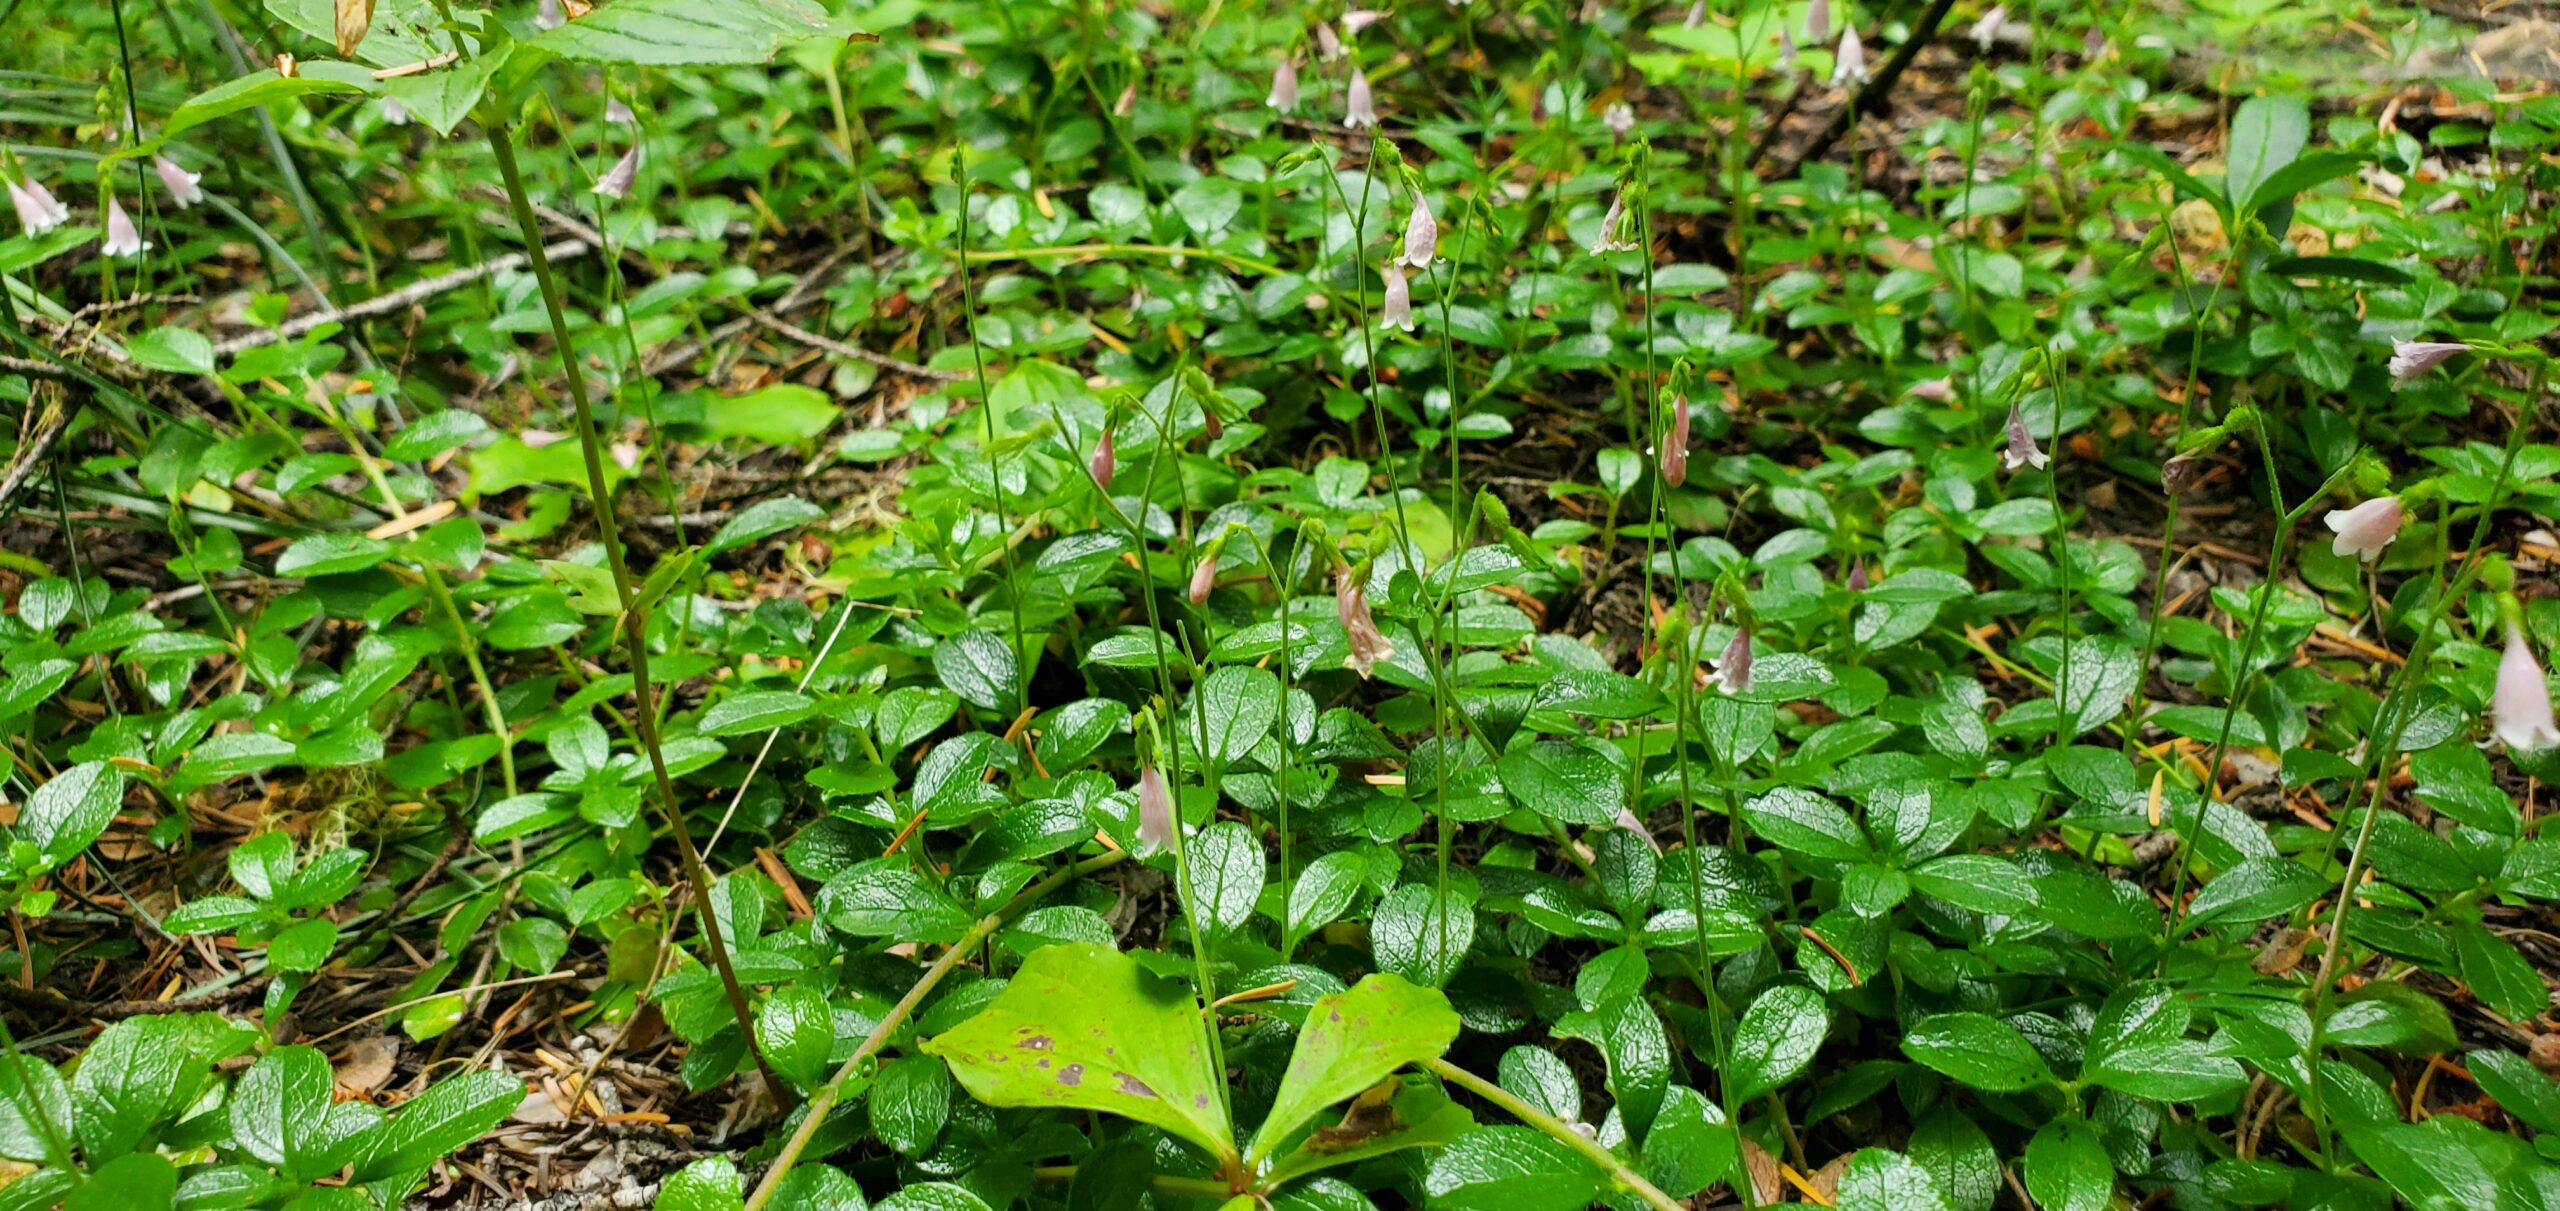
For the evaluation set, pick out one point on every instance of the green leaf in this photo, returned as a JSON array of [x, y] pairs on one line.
[[433, 1125], [259, 87], [2502, 979], [1086, 1027], [175, 350], [910, 1101], [304, 945], [670, 33], [2267, 133], [981, 667], [137, 1075], [1226, 862], [1630, 1035], [1958, 1156], [1417, 934], [2434, 1166], [1237, 705], [126, 1183], [708, 1184], [1399, 1113], [1510, 1169], [1569, 781], [756, 711], [2257, 889], [781, 414], [932, 1196], [886, 898], [1803, 822], [72, 809], [1980, 882], [819, 1188], [435, 433], [1352, 1040], [1878, 1180], [1323, 891], [1775, 1040], [2520, 1088], [2067, 1168], [2177, 1070], [35, 1106], [763, 519], [796, 1030], [1978, 1050], [329, 554]]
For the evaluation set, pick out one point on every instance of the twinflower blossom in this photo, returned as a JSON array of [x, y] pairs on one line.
[[1421, 235], [180, 183], [1609, 240], [1733, 669], [616, 182], [2366, 529], [1284, 87], [1849, 64], [1986, 32], [2022, 450], [1358, 109], [38, 211], [1351, 605], [1103, 462], [123, 238], [1155, 811], [2409, 359], [1675, 444], [2520, 707], [1397, 310]]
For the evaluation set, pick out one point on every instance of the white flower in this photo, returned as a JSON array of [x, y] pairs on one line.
[[2520, 706], [1328, 47], [394, 113], [1620, 118], [1609, 240], [1357, 109], [1733, 669], [1817, 22], [1397, 311], [618, 113], [2022, 450], [1849, 65], [1284, 87], [180, 183], [616, 182], [123, 238], [38, 213], [1421, 235], [1155, 811], [2409, 359], [1942, 390], [1351, 606], [2366, 529], [1359, 19], [1986, 32]]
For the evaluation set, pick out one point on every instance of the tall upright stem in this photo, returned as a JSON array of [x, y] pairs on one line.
[[635, 626]]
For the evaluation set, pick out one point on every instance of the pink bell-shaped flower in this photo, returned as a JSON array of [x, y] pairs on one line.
[[1817, 22], [2409, 359], [1155, 811], [1421, 235], [1204, 577], [1369, 645], [123, 238], [1849, 64], [1674, 455], [1620, 118], [2520, 707], [616, 182], [38, 212], [180, 183], [1609, 240], [1284, 87], [1328, 45], [1733, 669], [617, 113], [1103, 462], [1397, 310], [2366, 529], [2022, 450], [1358, 109], [1986, 32]]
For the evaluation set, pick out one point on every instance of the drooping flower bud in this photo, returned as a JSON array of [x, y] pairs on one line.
[[1733, 669], [1351, 605], [1675, 444], [1397, 311], [1817, 22], [1849, 64], [2022, 450], [123, 238], [1857, 582], [2409, 359], [1986, 32], [1421, 235], [1204, 577], [1103, 463], [2179, 474], [1155, 811], [2520, 706], [616, 182], [1628, 820], [180, 183], [38, 212], [2366, 529], [1697, 15], [1284, 87], [1357, 109]]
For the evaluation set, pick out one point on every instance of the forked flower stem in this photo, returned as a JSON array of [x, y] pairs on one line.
[[634, 626], [833, 1091], [1627, 1180]]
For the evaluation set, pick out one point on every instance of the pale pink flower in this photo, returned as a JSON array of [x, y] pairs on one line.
[[626, 455], [2409, 359], [1817, 21], [618, 113], [1357, 109], [1849, 65], [1609, 239], [1628, 820], [2022, 450], [1103, 462], [616, 182], [1421, 235], [1733, 669], [1697, 15], [1397, 310], [38, 212], [1942, 390], [1155, 811], [180, 183], [123, 238], [1986, 32], [1620, 118], [548, 15], [1284, 87], [1675, 444], [1351, 604], [1204, 577], [1786, 50], [394, 113], [1857, 576], [2520, 707], [1328, 47], [1359, 19], [2365, 529]]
